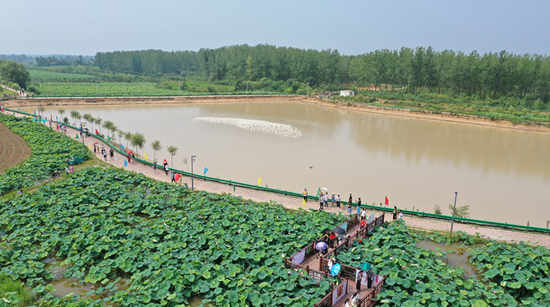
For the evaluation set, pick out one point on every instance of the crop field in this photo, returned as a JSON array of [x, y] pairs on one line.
[[509, 274], [49, 76], [50, 151], [13, 149], [103, 89]]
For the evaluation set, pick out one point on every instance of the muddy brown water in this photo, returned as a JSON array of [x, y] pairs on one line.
[[455, 256], [502, 174]]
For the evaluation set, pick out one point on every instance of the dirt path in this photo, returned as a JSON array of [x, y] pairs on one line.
[[296, 203], [13, 149]]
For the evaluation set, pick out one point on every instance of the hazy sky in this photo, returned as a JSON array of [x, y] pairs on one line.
[[353, 27]]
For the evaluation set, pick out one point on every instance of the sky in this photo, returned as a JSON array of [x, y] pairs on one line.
[[352, 27]]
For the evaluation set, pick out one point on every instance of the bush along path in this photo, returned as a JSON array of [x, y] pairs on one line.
[[50, 151], [109, 224], [511, 274]]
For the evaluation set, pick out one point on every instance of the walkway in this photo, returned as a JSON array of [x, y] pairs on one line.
[[296, 203]]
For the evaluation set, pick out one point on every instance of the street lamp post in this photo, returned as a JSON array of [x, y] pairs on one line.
[[192, 176], [454, 210]]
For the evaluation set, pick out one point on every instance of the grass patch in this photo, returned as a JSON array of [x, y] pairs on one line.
[[14, 292]]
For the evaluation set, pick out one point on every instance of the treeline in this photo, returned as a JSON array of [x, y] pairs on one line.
[[62, 60], [488, 76]]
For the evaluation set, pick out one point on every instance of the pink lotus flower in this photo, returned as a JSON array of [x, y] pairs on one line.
[[417, 280], [244, 277], [403, 266]]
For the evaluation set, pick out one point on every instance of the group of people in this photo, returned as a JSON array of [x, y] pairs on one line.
[[131, 157], [361, 277], [104, 152], [397, 214]]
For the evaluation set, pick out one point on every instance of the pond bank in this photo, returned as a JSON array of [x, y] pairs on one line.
[[146, 100], [296, 203]]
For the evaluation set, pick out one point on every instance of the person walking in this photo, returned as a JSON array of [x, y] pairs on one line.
[[359, 206], [155, 167], [321, 203], [105, 154], [326, 200], [400, 215], [95, 149], [333, 200], [112, 153], [331, 239], [166, 168], [172, 176], [394, 213], [350, 201], [338, 201], [305, 195]]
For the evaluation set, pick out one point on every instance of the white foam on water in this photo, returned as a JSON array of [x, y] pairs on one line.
[[254, 125]]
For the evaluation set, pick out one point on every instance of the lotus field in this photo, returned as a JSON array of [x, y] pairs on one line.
[[49, 152], [511, 274], [92, 89], [48, 76], [172, 244]]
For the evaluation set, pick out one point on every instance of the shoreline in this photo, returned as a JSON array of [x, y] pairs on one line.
[[295, 203], [179, 100]]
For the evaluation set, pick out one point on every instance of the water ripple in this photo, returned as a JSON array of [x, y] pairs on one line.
[[254, 125]]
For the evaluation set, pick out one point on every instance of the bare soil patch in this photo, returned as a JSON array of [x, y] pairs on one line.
[[13, 149]]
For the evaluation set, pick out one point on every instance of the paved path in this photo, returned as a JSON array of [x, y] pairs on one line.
[[296, 203]]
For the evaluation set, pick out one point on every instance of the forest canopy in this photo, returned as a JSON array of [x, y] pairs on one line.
[[487, 76]]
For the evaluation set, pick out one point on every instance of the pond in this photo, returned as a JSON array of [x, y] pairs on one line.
[[455, 256], [502, 174]]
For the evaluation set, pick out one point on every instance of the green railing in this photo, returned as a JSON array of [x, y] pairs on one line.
[[294, 194]]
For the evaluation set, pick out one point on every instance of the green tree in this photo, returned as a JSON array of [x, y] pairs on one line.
[[156, 147], [13, 72], [172, 150], [75, 115], [98, 122], [61, 112], [127, 137], [137, 140], [120, 135], [461, 211], [109, 125]]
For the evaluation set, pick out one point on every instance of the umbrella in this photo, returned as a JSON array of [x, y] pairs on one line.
[[335, 270], [339, 230], [129, 151], [325, 189], [95, 143], [321, 246], [366, 266]]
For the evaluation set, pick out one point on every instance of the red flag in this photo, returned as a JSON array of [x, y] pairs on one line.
[[387, 201], [57, 127], [177, 177], [96, 132]]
